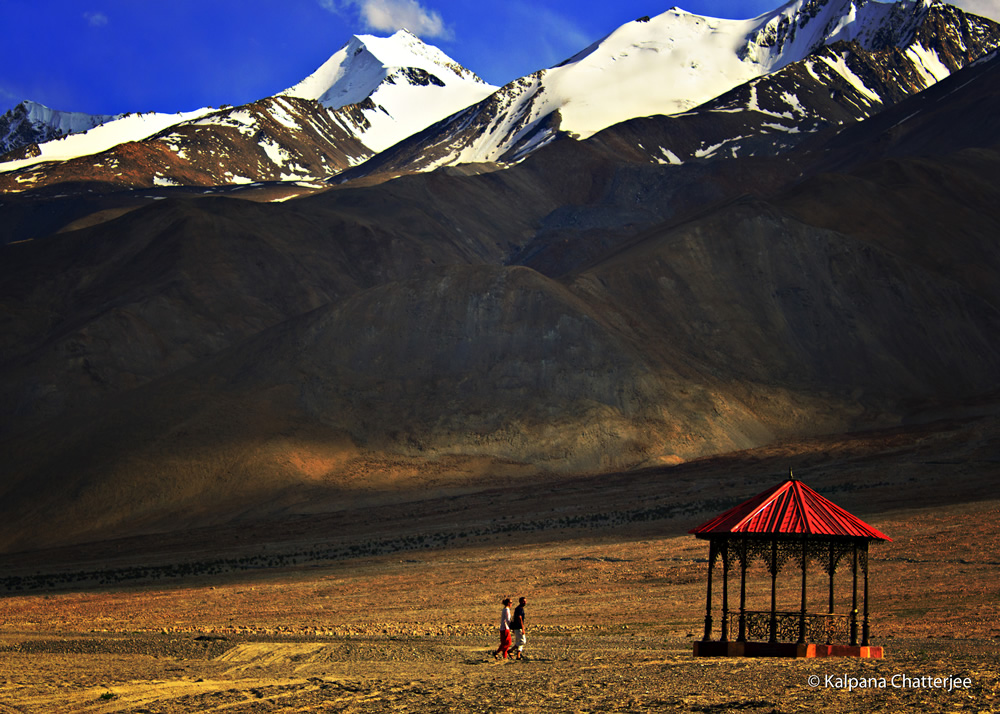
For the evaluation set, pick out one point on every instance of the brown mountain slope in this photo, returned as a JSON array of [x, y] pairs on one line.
[[460, 368], [90, 313], [755, 297], [101, 310], [728, 331]]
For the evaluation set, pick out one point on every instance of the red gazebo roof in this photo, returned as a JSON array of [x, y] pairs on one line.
[[786, 509]]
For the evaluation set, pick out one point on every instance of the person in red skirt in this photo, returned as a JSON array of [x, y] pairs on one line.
[[504, 631]]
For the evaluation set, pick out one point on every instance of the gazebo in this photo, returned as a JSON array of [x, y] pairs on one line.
[[788, 523]]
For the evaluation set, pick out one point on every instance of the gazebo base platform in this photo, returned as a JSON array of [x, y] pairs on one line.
[[783, 649]]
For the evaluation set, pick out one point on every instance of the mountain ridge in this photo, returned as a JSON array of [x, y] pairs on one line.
[[387, 104], [309, 137], [518, 119]]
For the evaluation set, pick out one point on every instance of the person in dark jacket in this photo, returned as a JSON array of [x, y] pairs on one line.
[[517, 626]]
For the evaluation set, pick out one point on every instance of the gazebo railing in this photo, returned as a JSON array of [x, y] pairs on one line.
[[821, 627]]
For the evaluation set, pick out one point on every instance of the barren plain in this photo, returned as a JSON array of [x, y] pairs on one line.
[[392, 607]]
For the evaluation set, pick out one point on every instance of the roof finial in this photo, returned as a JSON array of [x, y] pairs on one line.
[[791, 476]]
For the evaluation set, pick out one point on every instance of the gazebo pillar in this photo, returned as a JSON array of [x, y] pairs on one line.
[[864, 628], [742, 637], [725, 592], [802, 610], [831, 571], [774, 592], [712, 550], [854, 599]]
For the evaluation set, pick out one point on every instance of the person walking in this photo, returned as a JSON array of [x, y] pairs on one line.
[[517, 626], [504, 631]]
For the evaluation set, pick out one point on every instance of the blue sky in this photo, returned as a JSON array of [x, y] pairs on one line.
[[113, 56]]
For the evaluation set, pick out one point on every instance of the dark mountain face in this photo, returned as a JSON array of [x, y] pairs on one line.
[[199, 360], [753, 322], [101, 310]]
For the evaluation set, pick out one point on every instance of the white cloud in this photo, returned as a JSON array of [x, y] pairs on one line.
[[96, 19], [392, 15], [331, 5]]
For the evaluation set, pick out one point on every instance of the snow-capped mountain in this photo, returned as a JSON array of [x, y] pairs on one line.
[[400, 105], [273, 139], [398, 84], [369, 95], [33, 123], [669, 64], [837, 84]]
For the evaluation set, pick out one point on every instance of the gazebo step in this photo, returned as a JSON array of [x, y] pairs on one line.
[[783, 649]]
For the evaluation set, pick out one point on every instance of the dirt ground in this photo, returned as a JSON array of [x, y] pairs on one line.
[[614, 606]]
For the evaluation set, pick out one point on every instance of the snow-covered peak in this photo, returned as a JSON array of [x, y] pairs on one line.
[[400, 84], [64, 122], [33, 123], [660, 65], [403, 49], [677, 60], [358, 68]]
